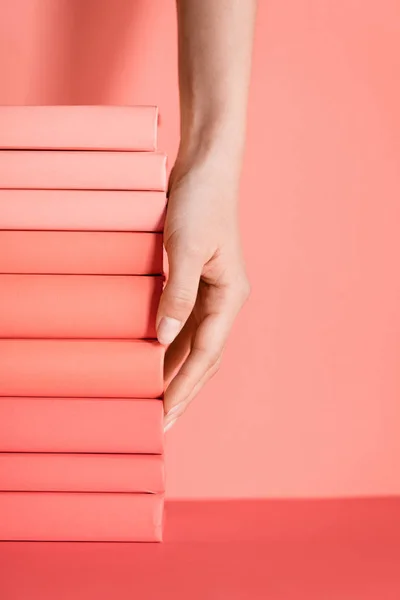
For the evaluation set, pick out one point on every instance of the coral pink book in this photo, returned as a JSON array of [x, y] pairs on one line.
[[78, 127], [79, 306], [81, 252], [128, 473], [81, 517], [81, 368], [81, 425], [82, 210], [77, 170]]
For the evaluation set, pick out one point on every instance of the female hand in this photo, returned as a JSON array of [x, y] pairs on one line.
[[207, 283]]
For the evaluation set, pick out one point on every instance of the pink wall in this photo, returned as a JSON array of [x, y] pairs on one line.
[[307, 400]]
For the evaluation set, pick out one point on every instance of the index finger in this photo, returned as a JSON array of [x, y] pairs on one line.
[[208, 344]]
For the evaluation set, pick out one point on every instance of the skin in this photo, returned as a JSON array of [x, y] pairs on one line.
[[207, 283]]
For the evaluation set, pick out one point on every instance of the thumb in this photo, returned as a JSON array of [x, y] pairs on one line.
[[180, 293]]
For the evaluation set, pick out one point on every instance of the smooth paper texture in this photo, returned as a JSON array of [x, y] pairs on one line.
[[86, 210], [78, 127], [76, 170], [45, 516], [81, 368], [81, 252], [128, 473], [82, 425], [78, 306]]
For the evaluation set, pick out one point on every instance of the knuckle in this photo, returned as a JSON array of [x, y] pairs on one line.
[[185, 245], [209, 358], [216, 367], [211, 364], [182, 299], [247, 290], [192, 250], [243, 289], [213, 361]]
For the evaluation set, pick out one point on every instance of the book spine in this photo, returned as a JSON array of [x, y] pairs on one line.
[[42, 169], [79, 306], [78, 127], [58, 516], [81, 368], [81, 425], [86, 210], [81, 253], [139, 473]]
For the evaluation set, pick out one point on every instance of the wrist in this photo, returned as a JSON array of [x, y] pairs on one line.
[[212, 131], [211, 142]]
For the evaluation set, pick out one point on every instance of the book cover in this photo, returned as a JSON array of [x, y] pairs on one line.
[[78, 127], [81, 252], [97, 517], [80, 170], [82, 210], [128, 473], [81, 368], [81, 425], [79, 306]]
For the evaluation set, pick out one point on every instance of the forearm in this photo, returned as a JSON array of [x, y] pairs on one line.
[[215, 47]]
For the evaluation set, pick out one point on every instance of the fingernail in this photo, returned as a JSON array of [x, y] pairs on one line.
[[169, 425], [174, 410], [167, 330], [172, 416]]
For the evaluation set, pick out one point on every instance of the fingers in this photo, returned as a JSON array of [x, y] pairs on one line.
[[178, 351], [180, 293], [205, 355], [178, 410]]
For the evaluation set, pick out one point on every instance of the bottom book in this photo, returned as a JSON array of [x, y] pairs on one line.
[[132, 473], [86, 517]]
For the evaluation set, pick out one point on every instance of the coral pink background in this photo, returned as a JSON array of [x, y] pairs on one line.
[[307, 400]]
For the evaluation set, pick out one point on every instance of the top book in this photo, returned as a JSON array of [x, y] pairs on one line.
[[78, 128]]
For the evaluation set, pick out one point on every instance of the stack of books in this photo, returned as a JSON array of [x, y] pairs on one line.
[[82, 203]]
